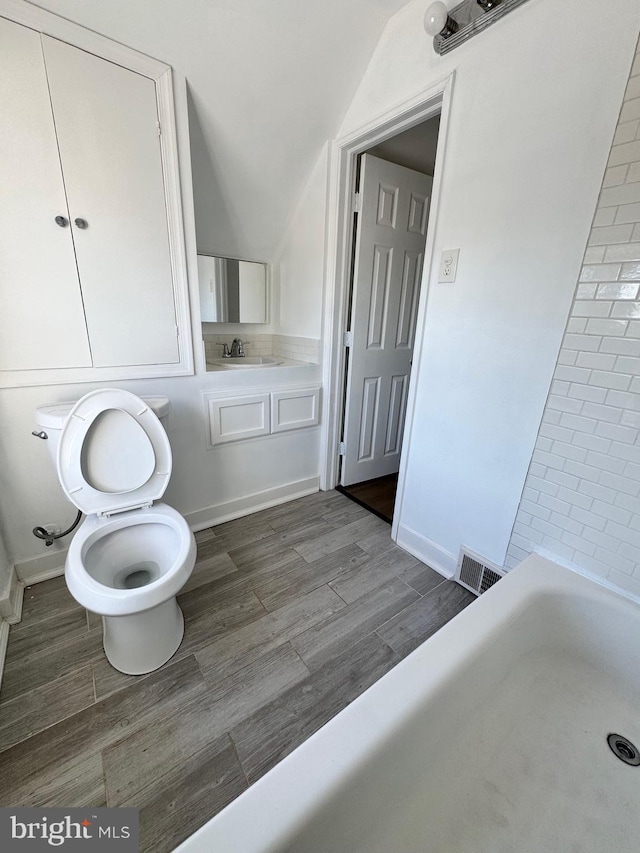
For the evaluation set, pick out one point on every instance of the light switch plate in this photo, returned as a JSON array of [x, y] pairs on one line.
[[448, 265]]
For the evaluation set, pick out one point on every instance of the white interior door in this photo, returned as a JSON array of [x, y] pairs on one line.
[[41, 315], [389, 256], [107, 127]]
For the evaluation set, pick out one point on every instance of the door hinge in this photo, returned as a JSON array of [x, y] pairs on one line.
[[177, 331], [348, 339], [342, 449], [355, 205], [159, 128]]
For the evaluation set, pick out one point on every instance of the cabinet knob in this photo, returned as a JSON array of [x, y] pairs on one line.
[[81, 223], [62, 221]]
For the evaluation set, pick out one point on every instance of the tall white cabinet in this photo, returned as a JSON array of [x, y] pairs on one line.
[[41, 314], [92, 267]]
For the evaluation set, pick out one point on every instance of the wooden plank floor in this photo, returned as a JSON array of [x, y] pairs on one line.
[[378, 495], [290, 614]]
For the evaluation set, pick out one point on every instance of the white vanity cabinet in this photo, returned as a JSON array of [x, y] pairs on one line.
[[257, 413], [92, 275]]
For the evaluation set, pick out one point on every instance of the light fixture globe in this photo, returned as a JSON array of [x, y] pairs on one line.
[[437, 20]]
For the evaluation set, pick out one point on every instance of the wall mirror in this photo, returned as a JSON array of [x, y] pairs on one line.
[[232, 291]]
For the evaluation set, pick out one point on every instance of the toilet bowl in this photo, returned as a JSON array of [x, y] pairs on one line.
[[129, 568], [132, 553]]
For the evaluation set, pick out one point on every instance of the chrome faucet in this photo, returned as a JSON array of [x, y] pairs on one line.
[[225, 351], [237, 348]]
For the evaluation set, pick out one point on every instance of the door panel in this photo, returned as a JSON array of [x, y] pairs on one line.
[[379, 292], [388, 265], [395, 418], [41, 309], [370, 394], [409, 300], [418, 213], [107, 126], [387, 206]]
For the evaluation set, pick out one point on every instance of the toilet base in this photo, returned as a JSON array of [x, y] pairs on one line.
[[142, 642]]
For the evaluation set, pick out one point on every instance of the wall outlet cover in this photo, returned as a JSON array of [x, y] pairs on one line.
[[448, 265]]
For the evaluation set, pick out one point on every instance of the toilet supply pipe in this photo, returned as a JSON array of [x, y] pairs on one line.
[[49, 538]]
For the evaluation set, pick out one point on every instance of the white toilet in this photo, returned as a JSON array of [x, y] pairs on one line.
[[130, 556]]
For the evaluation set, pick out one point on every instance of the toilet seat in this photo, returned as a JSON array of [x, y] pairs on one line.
[[114, 454]]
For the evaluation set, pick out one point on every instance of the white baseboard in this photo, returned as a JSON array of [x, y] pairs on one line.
[[427, 551], [10, 613], [219, 513], [4, 639], [14, 614], [42, 567], [11, 599]]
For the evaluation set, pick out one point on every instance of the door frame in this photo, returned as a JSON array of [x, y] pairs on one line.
[[342, 169]]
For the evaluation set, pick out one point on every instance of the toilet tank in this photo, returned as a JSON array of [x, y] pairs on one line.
[[50, 419]]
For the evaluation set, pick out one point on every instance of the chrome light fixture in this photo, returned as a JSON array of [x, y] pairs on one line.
[[451, 28]]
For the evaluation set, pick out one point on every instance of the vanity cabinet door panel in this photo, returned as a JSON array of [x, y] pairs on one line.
[[107, 126], [42, 320]]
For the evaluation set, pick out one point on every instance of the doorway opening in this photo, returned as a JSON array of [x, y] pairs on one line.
[[393, 189]]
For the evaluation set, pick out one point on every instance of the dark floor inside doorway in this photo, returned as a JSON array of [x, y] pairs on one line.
[[378, 496]]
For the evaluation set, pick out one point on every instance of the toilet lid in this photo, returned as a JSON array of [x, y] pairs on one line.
[[113, 453]]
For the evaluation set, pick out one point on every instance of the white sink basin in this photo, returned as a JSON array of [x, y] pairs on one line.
[[247, 361]]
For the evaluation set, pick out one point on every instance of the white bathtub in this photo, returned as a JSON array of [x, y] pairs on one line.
[[490, 737]]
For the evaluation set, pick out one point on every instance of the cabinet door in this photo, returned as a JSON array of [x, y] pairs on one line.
[[107, 127], [41, 314]]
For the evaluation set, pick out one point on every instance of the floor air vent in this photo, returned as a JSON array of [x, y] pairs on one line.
[[476, 573]]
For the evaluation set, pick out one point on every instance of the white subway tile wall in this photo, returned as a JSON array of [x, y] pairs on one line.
[[581, 500], [305, 350], [296, 349]]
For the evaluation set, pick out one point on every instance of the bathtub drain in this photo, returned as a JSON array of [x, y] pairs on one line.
[[624, 749]]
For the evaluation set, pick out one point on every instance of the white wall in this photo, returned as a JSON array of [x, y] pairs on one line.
[[534, 106], [581, 498], [299, 266]]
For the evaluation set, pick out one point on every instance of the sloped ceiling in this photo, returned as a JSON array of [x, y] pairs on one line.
[[269, 81]]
